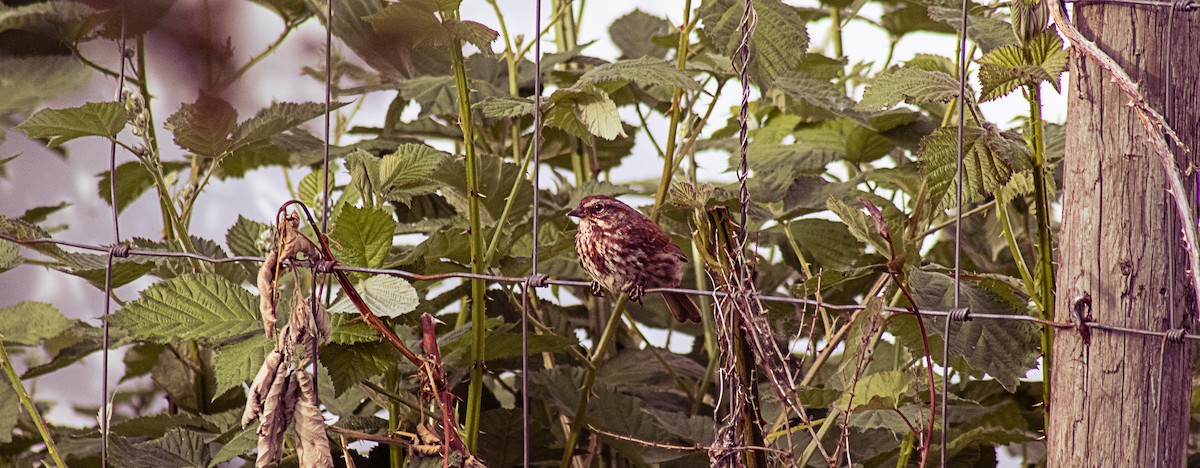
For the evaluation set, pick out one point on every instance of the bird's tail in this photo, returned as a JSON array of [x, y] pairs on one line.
[[682, 307]]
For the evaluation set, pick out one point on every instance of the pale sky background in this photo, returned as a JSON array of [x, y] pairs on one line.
[[39, 178]]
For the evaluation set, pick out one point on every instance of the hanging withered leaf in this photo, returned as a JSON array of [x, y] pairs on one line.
[[290, 242]]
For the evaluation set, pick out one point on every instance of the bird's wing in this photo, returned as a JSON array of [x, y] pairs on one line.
[[655, 238]]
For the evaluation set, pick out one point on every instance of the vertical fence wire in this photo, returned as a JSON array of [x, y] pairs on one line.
[[533, 269], [313, 294], [112, 192], [958, 201]]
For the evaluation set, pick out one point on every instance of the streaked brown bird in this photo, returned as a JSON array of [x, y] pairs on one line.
[[624, 251]]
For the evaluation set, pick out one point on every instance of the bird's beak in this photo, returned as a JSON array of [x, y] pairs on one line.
[[577, 212]]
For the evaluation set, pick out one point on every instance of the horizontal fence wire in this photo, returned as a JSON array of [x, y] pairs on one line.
[[543, 280]]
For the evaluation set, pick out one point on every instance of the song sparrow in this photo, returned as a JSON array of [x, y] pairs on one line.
[[624, 251]]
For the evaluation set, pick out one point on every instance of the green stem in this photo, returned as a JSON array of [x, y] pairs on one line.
[[478, 288], [1018, 257], [27, 402], [589, 379], [676, 114], [287, 29], [508, 204], [835, 15], [1045, 262]]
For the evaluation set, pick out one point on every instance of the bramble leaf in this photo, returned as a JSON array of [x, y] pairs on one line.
[[63, 125], [912, 85], [777, 45], [238, 362], [387, 296], [633, 32], [192, 306], [645, 71], [990, 157], [28, 323], [363, 236], [203, 127]]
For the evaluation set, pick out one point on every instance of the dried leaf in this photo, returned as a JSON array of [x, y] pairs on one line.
[[313, 446], [261, 386]]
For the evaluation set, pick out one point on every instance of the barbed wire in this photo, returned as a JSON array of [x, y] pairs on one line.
[[958, 315]]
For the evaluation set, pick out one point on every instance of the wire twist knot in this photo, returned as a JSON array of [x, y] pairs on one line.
[[120, 250], [325, 266], [537, 281], [961, 314], [1176, 335]]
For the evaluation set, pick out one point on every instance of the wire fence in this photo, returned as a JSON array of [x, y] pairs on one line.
[[957, 315], [1081, 320]]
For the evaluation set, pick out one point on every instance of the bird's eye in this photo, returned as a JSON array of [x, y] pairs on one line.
[[598, 209]]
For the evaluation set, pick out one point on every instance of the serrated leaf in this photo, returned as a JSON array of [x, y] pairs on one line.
[[644, 71], [989, 159], [348, 331], [473, 33], [63, 125], [1005, 350], [203, 127], [39, 214], [912, 85], [280, 117], [178, 448], [406, 172], [26, 231], [28, 323], [239, 362], [363, 236], [133, 180], [828, 243], [387, 296], [776, 167], [44, 15], [10, 411], [777, 45], [859, 224], [990, 33], [10, 256], [91, 267], [348, 365], [633, 32], [505, 107], [880, 389], [591, 107], [26, 82], [818, 93], [242, 443], [193, 306], [243, 237]]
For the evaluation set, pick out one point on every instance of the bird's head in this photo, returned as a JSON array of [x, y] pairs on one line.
[[603, 210]]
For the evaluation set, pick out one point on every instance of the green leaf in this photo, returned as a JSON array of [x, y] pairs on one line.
[[241, 444], [633, 32], [504, 107], [193, 306], [26, 82], [830, 244], [39, 214], [990, 33], [644, 71], [912, 85], [63, 125], [10, 411], [989, 159], [239, 362], [387, 296], [406, 172], [777, 45], [473, 33], [348, 365], [10, 256], [879, 390], [91, 267], [25, 231], [1005, 350], [590, 106], [133, 180], [347, 330], [818, 93], [243, 237], [859, 224], [363, 236], [777, 166], [204, 127], [45, 16], [1047, 52], [1004, 69], [278, 118], [178, 448], [28, 323]]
